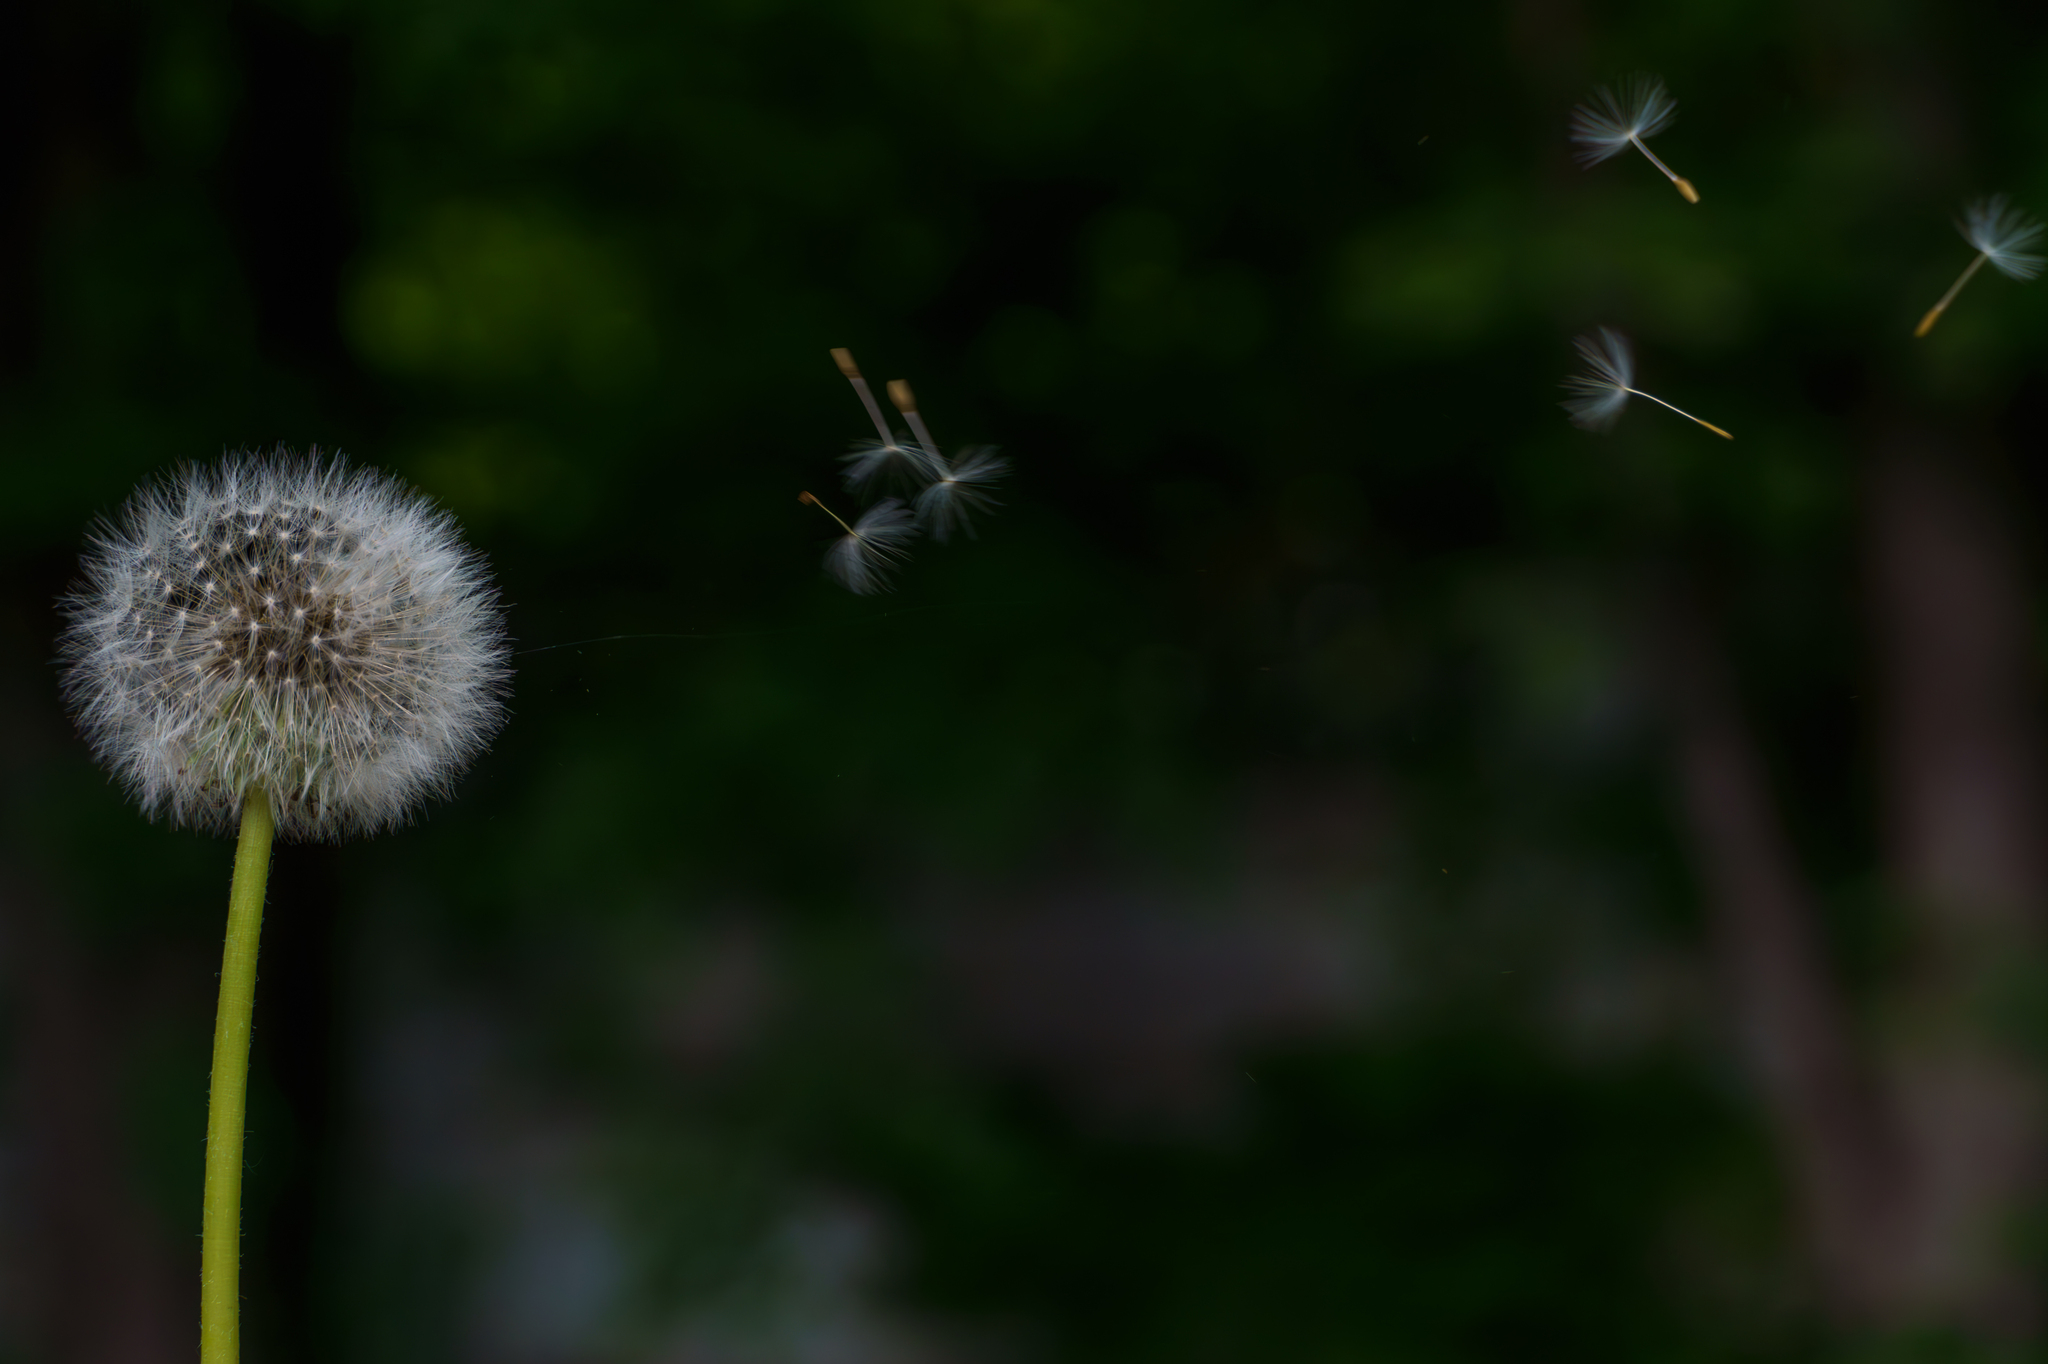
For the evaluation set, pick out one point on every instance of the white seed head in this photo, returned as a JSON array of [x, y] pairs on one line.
[[863, 558], [2003, 233], [1603, 391], [958, 488], [1605, 127], [291, 623]]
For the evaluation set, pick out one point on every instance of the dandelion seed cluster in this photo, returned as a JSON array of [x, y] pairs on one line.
[[947, 491], [286, 622]]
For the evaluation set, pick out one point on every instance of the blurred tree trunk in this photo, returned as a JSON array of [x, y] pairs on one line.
[[1958, 740], [92, 1259], [1913, 1151], [1844, 1161], [100, 1275]]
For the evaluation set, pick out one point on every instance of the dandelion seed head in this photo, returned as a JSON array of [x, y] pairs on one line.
[[1603, 391], [891, 460], [959, 488], [1607, 125], [2004, 234], [863, 558], [287, 622]]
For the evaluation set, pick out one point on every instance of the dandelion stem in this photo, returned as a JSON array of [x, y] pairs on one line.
[[806, 497], [220, 1273], [906, 403], [1934, 313], [924, 435], [844, 359], [1681, 412], [1692, 196]]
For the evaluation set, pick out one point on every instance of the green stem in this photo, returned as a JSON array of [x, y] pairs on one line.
[[220, 1253]]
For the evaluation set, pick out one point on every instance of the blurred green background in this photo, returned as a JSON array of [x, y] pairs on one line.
[[1346, 867]]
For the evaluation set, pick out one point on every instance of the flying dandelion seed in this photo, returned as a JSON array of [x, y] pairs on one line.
[[957, 487], [2001, 234], [884, 458], [1613, 123], [1603, 391], [961, 487], [872, 547]]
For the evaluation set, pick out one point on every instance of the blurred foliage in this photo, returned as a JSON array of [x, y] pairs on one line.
[[1268, 303]]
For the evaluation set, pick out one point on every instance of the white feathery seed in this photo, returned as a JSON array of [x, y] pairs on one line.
[[956, 488], [889, 459], [1607, 126], [872, 547], [291, 623], [1603, 391], [1614, 122], [1600, 394], [960, 487], [2002, 235]]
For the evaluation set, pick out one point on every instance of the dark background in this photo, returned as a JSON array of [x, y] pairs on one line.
[[1346, 867]]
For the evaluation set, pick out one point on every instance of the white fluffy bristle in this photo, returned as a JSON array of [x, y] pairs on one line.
[[290, 623]]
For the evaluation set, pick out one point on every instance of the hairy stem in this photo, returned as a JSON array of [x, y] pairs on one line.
[[220, 1272]]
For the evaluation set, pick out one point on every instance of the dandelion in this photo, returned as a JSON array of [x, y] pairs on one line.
[[2001, 234], [317, 632], [872, 547], [870, 459], [962, 486], [284, 647], [1612, 123], [1602, 392]]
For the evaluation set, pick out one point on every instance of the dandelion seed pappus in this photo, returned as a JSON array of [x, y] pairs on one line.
[[296, 625]]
